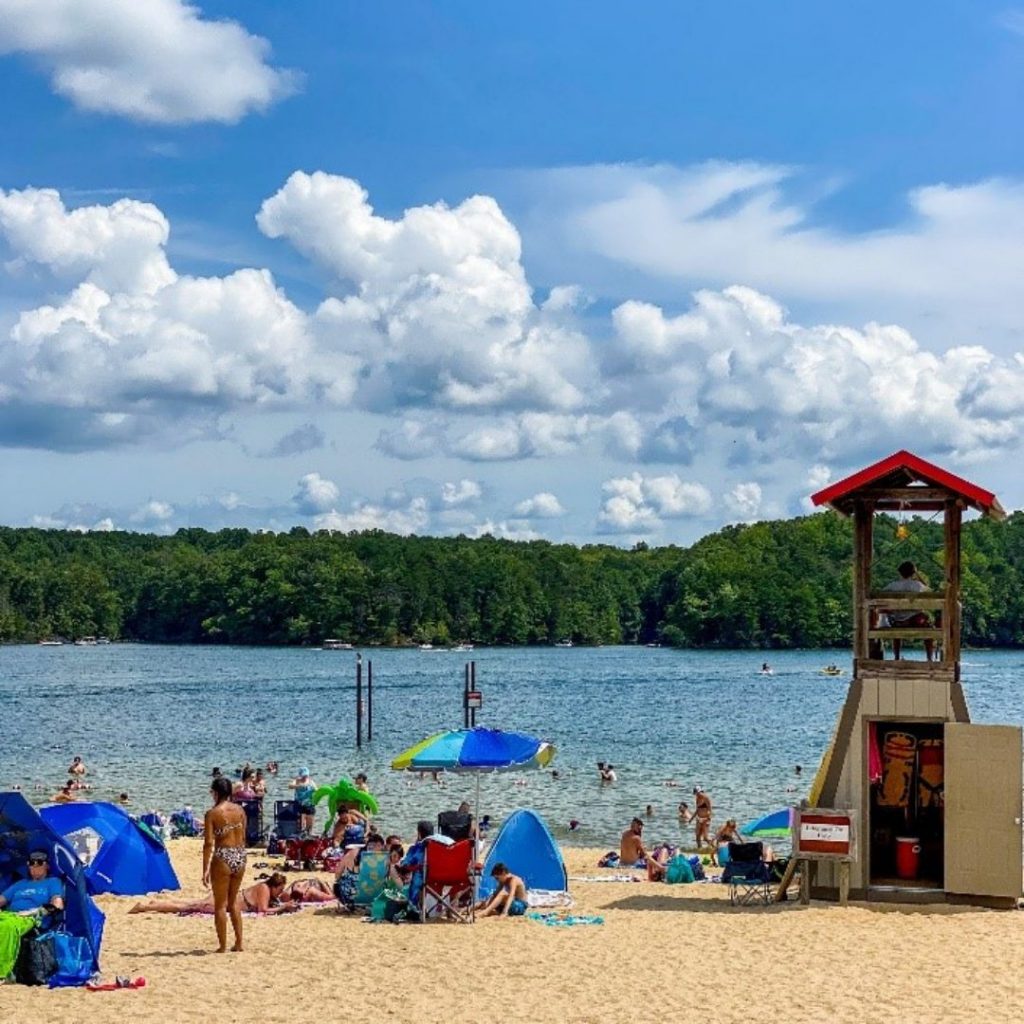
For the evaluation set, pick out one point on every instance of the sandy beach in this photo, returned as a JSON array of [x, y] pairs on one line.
[[663, 953]]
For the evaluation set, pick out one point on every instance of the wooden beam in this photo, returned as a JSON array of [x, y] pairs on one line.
[[905, 494], [910, 633], [862, 553], [951, 614], [916, 602]]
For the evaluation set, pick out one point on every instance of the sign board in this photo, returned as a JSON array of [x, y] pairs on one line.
[[821, 833], [474, 699]]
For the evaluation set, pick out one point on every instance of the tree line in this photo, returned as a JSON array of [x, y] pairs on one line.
[[772, 584]]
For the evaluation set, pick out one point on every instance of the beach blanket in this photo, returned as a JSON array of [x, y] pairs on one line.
[[604, 878], [565, 920], [548, 898]]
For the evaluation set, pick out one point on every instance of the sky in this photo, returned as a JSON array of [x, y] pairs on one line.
[[584, 272]]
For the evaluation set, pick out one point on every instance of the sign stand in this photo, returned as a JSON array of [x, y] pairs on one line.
[[824, 834]]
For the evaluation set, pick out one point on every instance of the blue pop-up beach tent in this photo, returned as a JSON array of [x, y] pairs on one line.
[[22, 830], [526, 847], [119, 854]]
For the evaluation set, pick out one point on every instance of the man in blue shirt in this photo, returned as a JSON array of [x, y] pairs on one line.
[[35, 892], [21, 903]]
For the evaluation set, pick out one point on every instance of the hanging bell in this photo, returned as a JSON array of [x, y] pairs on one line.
[[902, 533]]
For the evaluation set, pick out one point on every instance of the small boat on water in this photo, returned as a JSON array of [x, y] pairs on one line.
[[831, 670], [463, 647], [336, 645], [51, 643], [563, 643], [86, 641], [427, 647]]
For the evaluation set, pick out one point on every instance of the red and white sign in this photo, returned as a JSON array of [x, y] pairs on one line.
[[824, 834], [474, 699]]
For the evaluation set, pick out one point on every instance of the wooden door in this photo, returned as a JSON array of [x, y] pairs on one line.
[[983, 809]]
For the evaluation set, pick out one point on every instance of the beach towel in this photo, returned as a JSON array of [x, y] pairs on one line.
[[548, 898], [930, 774], [898, 755], [12, 928], [565, 920], [604, 878], [874, 755]]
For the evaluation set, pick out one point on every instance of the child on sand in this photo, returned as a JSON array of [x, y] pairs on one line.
[[509, 899]]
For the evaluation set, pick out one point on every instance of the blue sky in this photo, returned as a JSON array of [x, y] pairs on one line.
[[720, 254]]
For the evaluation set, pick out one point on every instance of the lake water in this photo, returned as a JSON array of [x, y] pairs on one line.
[[153, 720]]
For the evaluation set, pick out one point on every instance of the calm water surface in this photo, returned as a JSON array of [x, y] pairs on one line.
[[153, 720]]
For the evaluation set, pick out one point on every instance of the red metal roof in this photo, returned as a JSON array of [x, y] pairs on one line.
[[908, 465]]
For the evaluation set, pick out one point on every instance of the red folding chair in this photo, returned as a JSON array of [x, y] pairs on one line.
[[448, 878]]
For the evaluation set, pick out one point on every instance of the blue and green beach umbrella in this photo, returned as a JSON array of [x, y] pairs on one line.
[[475, 750], [776, 825]]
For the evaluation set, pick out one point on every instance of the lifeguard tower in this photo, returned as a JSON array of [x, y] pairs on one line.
[[936, 801]]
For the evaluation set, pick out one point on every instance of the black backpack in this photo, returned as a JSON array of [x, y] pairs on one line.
[[37, 959]]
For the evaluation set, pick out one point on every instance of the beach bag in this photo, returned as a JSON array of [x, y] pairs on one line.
[[74, 960], [37, 960], [391, 905], [678, 871], [698, 869]]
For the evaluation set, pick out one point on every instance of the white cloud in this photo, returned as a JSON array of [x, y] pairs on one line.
[[637, 504], [158, 60], [442, 312], [315, 494], [744, 501], [153, 512], [505, 529], [543, 505], [950, 263], [78, 518], [465, 492], [135, 350], [735, 367], [366, 516]]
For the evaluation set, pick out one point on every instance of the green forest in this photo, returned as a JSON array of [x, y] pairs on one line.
[[769, 585]]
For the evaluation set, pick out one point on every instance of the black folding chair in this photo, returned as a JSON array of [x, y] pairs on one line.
[[748, 875]]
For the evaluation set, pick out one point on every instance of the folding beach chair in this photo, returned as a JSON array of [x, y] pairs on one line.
[[372, 877], [748, 875], [448, 880]]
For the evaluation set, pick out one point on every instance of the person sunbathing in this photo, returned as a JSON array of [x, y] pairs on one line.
[[261, 898], [307, 890], [509, 899]]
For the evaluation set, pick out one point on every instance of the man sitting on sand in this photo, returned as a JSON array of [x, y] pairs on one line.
[[633, 854], [509, 899]]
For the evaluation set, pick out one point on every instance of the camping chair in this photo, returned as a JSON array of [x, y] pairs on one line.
[[448, 878], [286, 819], [372, 877], [748, 875]]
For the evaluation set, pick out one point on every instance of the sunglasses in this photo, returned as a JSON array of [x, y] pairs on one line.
[[37, 862]]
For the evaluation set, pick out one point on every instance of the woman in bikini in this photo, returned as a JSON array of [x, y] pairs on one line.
[[261, 898], [224, 861]]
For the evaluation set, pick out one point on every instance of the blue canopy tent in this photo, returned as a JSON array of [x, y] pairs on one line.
[[526, 847], [119, 854], [22, 830]]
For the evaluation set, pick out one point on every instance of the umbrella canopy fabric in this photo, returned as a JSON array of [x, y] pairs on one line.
[[475, 750], [120, 855], [22, 830], [777, 825]]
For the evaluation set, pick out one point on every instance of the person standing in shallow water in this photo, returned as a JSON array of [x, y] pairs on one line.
[[224, 861]]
